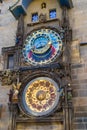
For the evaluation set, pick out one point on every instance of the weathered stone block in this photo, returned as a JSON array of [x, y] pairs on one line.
[[75, 52]]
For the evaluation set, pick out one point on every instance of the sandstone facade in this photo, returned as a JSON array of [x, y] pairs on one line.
[[78, 23]]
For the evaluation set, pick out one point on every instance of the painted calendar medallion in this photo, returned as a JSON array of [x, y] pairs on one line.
[[40, 96]]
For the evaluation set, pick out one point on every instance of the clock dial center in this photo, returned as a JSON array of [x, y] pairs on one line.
[[41, 95]]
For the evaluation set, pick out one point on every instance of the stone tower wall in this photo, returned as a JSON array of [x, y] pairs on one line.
[[78, 22]]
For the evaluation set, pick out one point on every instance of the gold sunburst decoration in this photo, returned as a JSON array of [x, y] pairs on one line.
[[41, 95]]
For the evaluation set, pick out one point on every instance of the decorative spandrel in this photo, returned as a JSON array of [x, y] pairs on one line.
[[42, 46], [40, 96]]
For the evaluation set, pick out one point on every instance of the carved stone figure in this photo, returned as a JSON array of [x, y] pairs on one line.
[[42, 17], [15, 91], [43, 5]]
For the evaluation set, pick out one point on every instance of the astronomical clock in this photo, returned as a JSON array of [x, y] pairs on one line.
[[40, 94], [41, 72]]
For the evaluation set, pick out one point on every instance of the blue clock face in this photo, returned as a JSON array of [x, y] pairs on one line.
[[42, 46], [40, 42]]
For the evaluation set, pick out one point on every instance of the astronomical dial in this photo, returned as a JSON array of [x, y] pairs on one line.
[[42, 46]]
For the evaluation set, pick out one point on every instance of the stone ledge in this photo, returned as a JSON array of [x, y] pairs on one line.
[[75, 66], [80, 119], [80, 126], [81, 108], [80, 93], [83, 114], [80, 101], [83, 43]]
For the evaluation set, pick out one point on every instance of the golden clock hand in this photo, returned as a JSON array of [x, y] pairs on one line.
[[49, 43]]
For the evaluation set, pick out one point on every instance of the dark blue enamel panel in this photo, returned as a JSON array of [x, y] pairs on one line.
[[25, 3], [18, 11]]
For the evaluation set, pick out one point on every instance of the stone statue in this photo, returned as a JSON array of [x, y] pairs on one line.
[[15, 91]]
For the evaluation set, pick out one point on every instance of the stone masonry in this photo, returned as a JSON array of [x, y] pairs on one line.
[[78, 22]]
